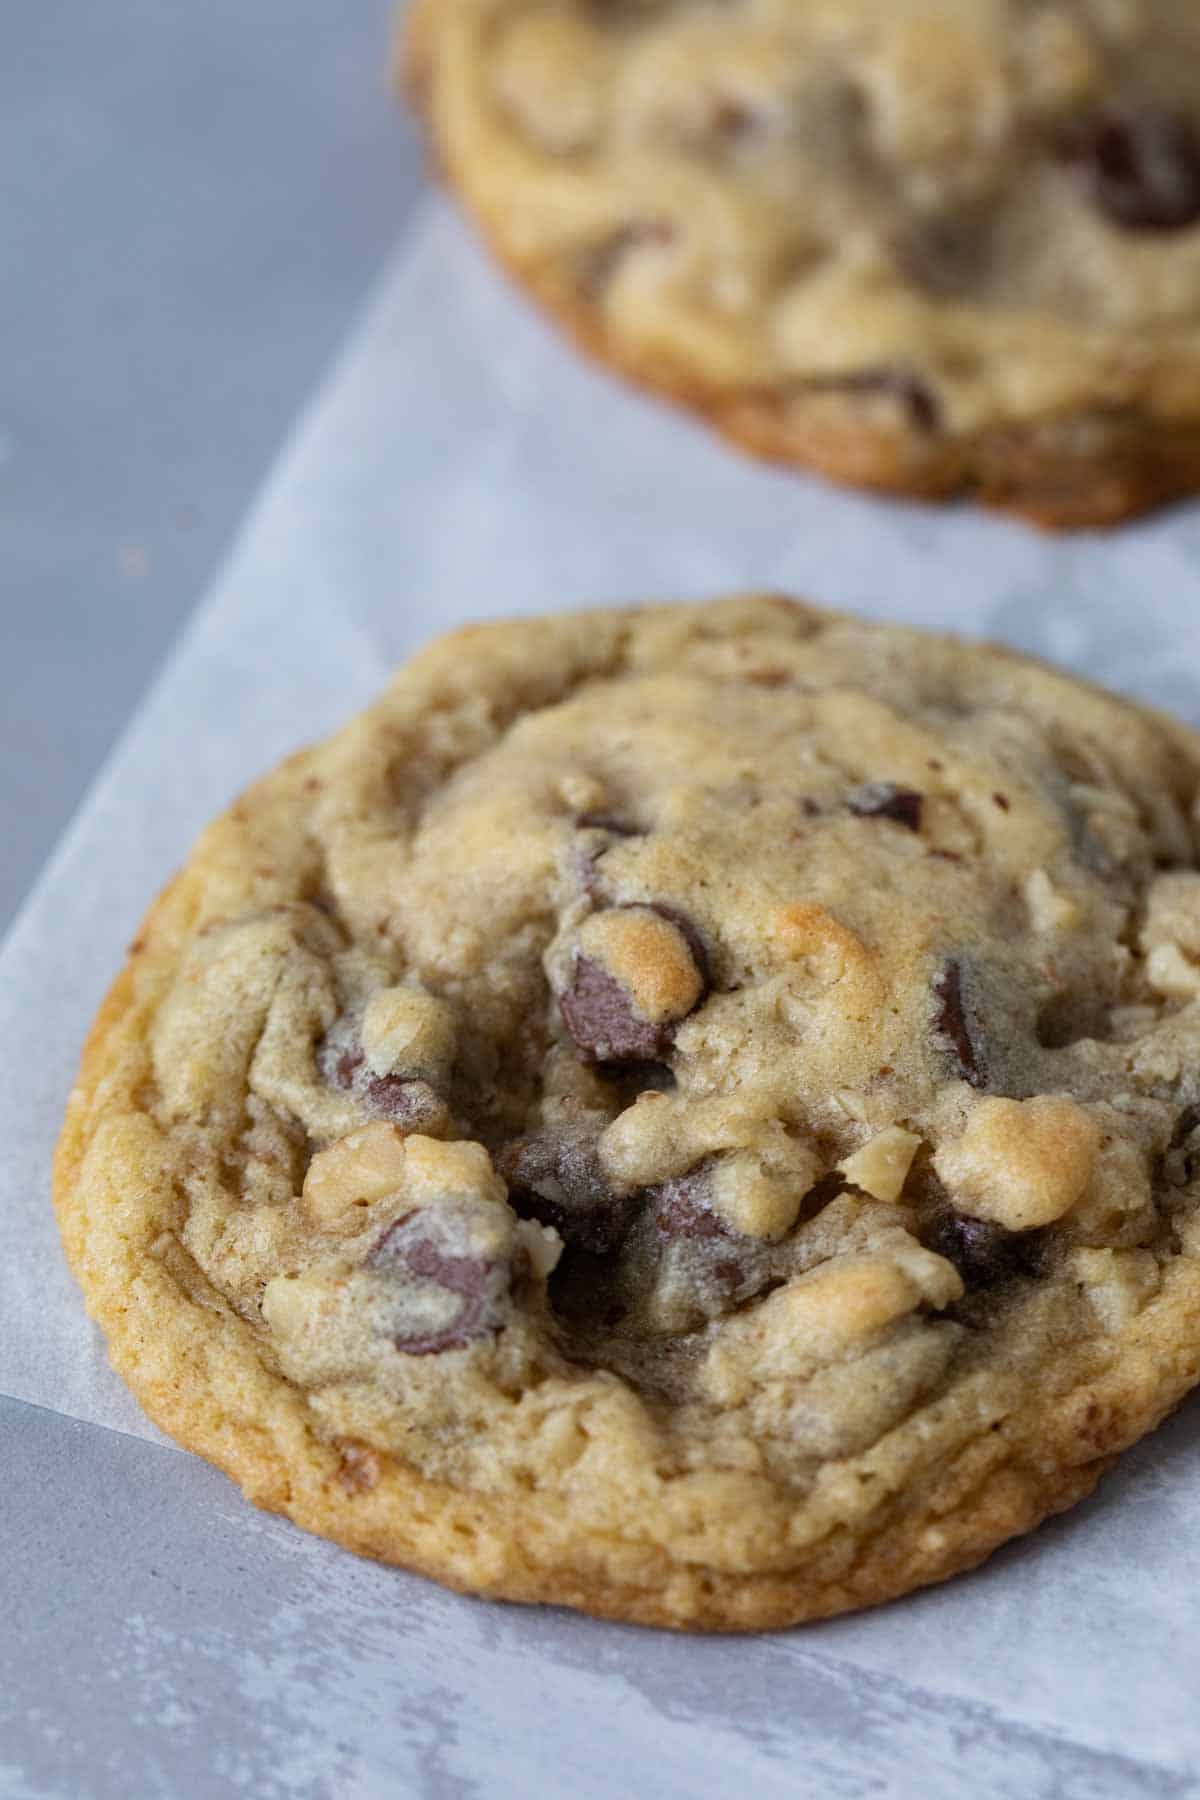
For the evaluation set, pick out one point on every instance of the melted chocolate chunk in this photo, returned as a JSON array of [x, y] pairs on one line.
[[556, 1179], [1141, 166], [681, 1207], [404, 1101], [956, 1027], [690, 1252], [915, 398], [407, 1246], [600, 1014], [884, 800], [401, 1099], [984, 1254]]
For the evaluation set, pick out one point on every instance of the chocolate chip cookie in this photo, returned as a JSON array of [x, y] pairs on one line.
[[929, 247], [691, 1113]]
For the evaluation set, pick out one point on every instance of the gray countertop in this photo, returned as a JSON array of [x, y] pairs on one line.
[[195, 198]]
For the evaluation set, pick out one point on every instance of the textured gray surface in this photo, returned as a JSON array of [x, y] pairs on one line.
[[214, 1650], [194, 197]]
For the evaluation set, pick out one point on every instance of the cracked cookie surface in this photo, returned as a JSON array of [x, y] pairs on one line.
[[691, 1113], [928, 247]]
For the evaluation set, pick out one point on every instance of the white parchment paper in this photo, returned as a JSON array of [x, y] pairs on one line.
[[460, 463]]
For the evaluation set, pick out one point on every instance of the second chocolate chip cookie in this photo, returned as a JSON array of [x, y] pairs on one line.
[[927, 248]]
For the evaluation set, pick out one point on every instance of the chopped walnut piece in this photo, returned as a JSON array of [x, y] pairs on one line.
[[1117, 1283], [879, 1166], [759, 1194], [1169, 972], [354, 1172], [1117, 1208], [1170, 935], [1049, 910]]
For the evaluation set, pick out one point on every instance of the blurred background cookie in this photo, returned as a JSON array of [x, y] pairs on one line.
[[926, 248]]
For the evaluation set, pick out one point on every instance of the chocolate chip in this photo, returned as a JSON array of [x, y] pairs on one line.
[[556, 1178], [408, 1248], [914, 396], [884, 800], [600, 1014], [984, 1254], [408, 1103], [681, 1207], [401, 1099], [697, 1265], [956, 1026], [1141, 167]]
